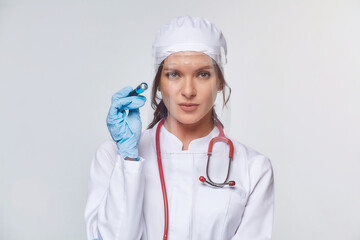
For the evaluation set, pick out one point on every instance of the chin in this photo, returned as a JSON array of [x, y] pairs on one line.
[[189, 120]]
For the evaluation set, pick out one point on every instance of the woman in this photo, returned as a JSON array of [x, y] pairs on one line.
[[126, 199]]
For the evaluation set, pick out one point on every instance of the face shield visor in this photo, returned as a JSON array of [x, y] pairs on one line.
[[217, 53], [193, 34], [188, 78]]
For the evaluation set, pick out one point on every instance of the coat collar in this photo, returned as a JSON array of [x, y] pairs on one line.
[[169, 143]]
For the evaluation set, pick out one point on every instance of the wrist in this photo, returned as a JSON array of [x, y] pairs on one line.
[[132, 159], [128, 153]]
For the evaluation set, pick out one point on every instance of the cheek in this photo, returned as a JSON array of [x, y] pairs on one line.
[[165, 95], [168, 91], [165, 98], [212, 99], [212, 93]]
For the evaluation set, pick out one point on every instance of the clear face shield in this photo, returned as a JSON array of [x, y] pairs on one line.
[[189, 60], [189, 85], [214, 56]]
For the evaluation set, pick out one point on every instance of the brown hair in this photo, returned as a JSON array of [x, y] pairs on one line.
[[160, 108]]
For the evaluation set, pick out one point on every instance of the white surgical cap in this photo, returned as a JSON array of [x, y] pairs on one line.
[[187, 33]]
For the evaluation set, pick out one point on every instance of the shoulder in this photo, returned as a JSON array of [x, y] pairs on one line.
[[147, 142], [253, 159], [107, 148], [105, 156], [148, 135], [253, 166]]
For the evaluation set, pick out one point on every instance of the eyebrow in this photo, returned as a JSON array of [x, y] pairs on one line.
[[202, 68]]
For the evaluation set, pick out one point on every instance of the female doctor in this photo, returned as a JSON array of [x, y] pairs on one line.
[[145, 185]]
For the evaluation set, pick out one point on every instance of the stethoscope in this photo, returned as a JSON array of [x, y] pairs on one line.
[[220, 138]]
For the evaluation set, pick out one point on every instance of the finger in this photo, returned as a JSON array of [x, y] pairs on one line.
[[126, 103], [122, 93], [137, 103], [133, 102], [134, 114], [134, 121], [114, 114]]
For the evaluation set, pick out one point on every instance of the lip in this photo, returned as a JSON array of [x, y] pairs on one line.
[[188, 107]]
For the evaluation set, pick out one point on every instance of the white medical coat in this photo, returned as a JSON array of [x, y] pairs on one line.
[[125, 197]]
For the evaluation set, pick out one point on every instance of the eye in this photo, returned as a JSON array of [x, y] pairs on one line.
[[204, 74], [172, 74]]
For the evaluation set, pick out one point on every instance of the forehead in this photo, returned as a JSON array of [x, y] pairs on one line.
[[188, 58]]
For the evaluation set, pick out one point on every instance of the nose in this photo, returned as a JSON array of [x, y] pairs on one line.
[[188, 89]]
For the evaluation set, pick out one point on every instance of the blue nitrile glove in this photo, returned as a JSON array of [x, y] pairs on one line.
[[124, 128]]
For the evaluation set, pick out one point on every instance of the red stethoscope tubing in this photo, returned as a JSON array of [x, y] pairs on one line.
[[163, 187], [221, 137]]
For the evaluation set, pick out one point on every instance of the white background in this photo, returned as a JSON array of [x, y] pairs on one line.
[[293, 67]]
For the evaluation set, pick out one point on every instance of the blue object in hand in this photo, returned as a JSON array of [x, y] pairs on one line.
[[125, 128]]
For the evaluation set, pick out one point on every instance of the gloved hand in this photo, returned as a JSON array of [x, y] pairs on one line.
[[124, 128]]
